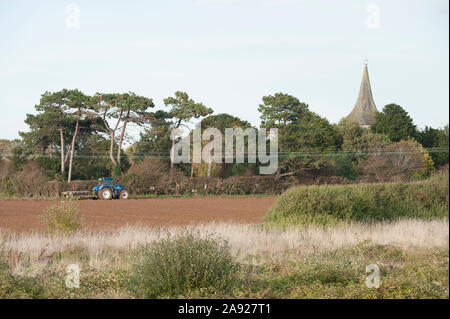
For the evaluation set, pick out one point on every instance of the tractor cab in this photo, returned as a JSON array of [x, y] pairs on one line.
[[106, 181], [108, 189]]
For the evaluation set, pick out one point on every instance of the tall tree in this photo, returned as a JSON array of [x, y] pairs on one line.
[[299, 131], [438, 140], [91, 162], [49, 125], [77, 104], [357, 144], [42, 135], [120, 109], [360, 141], [395, 122], [155, 140], [221, 122], [183, 109], [58, 118]]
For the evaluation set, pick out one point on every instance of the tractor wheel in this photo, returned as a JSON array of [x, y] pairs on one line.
[[124, 194], [105, 193]]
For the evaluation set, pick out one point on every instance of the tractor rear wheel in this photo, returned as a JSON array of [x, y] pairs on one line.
[[124, 194], [105, 193]]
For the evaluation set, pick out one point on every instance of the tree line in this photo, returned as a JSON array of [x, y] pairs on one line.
[[74, 135]]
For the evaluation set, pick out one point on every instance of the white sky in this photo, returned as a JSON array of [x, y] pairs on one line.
[[228, 53]]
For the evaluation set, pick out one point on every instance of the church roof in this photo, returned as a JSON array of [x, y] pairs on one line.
[[365, 109]]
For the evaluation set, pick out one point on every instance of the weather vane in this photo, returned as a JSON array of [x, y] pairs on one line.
[[366, 61]]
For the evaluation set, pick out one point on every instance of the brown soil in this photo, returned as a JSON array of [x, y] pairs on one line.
[[22, 215]]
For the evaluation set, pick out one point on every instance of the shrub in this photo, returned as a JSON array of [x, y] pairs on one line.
[[62, 219], [330, 204], [151, 175], [346, 168], [182, 264], [27, 181], [403, 160]]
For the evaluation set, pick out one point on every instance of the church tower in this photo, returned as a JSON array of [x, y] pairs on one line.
[[364, 111]]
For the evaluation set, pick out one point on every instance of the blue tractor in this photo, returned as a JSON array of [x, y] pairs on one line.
[[108, 189]]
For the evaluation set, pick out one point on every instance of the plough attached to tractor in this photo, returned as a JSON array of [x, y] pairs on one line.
[[106, 189]]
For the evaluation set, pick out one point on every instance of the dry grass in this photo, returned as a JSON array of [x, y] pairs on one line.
[[31, 253]]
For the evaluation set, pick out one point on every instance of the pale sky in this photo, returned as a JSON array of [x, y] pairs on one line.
[[228, 54]]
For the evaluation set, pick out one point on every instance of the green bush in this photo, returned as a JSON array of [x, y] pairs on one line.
[[19, 286], [63, 219], [183, 264], [331, 204], [346, 168]]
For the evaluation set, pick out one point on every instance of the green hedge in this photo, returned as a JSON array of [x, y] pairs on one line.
[[331, 204]]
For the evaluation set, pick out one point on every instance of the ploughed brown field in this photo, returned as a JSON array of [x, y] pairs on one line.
[[22, 215]]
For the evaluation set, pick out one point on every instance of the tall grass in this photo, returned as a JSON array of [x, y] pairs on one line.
[[248, 243], [332, 204]]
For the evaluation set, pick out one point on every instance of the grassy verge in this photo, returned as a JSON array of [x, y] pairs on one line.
[[336, 274], [239, 261], [341, 273]]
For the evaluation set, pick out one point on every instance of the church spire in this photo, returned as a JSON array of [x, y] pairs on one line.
[[364, 111]]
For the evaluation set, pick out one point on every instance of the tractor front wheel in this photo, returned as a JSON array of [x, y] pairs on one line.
[[124, 194], [105, 193]]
